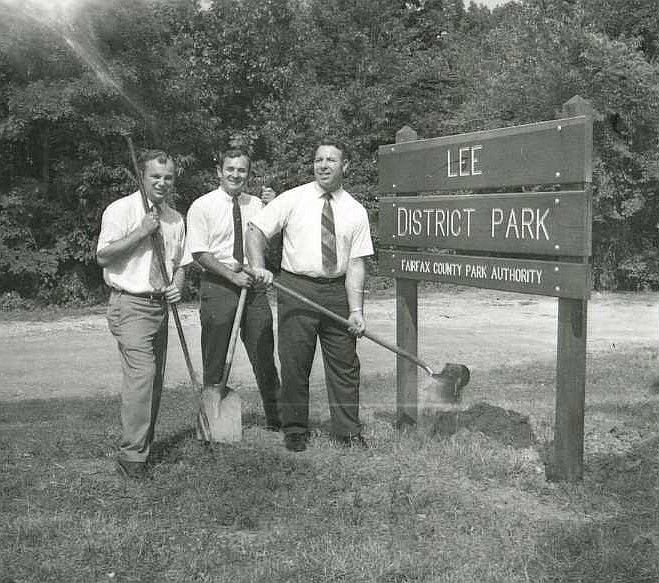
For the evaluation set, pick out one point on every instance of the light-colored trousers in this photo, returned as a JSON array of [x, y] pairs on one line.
[[140, 327]]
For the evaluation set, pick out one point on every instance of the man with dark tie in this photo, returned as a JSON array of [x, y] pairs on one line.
[[216, 223], [137, 308], [326, 237]]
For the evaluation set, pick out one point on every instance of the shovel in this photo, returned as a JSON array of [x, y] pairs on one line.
[[450, 380], [221, 403]]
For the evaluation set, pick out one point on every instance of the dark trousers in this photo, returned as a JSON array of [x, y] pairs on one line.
[[140, 327], [299, 328], [218, 304]]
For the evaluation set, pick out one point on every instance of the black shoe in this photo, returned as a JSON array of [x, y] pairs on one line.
[[296, 441], [132, 470], [356, 440]]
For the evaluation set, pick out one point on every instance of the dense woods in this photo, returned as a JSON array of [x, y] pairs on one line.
[[276, 74]]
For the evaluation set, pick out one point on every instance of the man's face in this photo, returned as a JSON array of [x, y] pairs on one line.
[[233, 174], [329, 167], [158, 180]]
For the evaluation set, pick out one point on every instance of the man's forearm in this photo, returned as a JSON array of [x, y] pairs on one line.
[[179, 277], [255, 244], [119, 249], [212, 265], [355, 278]]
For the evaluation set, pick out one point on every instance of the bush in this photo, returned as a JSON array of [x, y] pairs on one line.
[[70, 290], [10, 301]]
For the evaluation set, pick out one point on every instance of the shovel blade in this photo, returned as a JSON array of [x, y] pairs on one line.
[[224, 417], [450, 382]]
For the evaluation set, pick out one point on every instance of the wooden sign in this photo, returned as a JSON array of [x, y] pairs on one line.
[[549, 278], [523, 227], [549, 152], [543, 223]]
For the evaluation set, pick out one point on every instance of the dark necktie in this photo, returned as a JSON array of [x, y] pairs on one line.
[[237, 232], [328, 236]]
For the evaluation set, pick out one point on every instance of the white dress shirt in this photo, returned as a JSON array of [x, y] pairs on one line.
[[298, 213], [131, 273], [210, 223]]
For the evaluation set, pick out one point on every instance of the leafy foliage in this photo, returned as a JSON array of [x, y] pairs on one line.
[[537, 57], [277, 74]]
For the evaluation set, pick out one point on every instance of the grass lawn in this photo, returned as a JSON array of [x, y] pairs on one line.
[[461, 498]]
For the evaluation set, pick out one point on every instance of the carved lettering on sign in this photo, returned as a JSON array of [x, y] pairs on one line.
[[434, 222], [466, 163], [519, 223]]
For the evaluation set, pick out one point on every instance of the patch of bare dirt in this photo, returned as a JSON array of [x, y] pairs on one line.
[[504, 426]]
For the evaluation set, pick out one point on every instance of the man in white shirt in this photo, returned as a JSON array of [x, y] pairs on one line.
[[216, 228], [137, 309], [326, 237]]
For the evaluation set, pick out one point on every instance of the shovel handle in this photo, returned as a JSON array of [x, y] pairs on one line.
[[233, 339], [341, 320]]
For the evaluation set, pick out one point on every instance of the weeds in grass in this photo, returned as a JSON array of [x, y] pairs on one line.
[[455, 506]]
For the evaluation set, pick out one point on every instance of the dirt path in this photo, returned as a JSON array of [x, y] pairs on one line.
[[76, 356]]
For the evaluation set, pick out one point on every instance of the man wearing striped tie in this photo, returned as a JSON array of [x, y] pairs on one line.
[[326, 236]]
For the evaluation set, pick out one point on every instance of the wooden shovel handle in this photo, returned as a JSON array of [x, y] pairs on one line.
[[234, 338], [341, 320]]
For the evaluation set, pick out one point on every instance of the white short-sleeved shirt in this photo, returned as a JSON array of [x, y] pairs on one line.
[[297, 212], [131, 273], [210, 223]]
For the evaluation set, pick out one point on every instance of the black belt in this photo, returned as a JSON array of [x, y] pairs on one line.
[[338, 279], [153, 296]]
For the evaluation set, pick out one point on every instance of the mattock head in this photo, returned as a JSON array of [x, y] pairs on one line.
[[451, 380]]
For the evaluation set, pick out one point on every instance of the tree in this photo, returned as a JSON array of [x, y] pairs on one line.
[[536, 58]]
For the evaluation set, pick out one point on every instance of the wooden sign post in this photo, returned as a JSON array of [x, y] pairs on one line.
[[407, 333], [571, 364], [536, 242]]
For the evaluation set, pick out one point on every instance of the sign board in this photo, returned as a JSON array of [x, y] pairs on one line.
[[549, 278], [541, 223], [519, 229], [549, 152]]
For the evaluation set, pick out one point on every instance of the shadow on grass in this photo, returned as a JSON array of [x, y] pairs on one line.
[[168, 449], [621, 472], [623, 548], [42, 410], [253, 508]]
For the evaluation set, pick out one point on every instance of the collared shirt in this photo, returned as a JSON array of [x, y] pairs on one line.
[[298, 213], [210, 223], [131, 273]]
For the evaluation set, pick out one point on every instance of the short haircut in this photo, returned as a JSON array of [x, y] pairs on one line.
[[236, 152], [338, 144], [159, 155]]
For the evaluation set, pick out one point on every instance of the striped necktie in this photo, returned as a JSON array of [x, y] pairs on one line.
[[328, 236], [238, 253]]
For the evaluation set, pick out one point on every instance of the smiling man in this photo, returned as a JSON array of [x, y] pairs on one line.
[[137, 309], [326, 237], [216, 225]]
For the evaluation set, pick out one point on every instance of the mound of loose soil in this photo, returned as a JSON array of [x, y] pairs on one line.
[[505, 426]]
